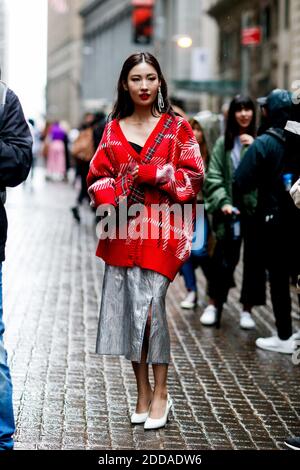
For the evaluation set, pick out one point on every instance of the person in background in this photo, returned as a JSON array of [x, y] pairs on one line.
[[295, 193], [56, 157], [66, 128], [178, 107], [200, 256], [36, 147], [83, 150], [233, 219], [294, 442], [262, 169], [45, 139], [15, 162]]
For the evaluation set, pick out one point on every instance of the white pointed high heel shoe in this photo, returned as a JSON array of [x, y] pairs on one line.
[[156, 423], [139, 418]]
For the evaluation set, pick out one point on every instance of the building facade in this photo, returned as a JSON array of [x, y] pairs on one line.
[[107, 36], [108, 40], [295, 41], [64, 88], [187, 68], [274, 61]]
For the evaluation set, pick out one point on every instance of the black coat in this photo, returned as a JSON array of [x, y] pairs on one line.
[[262, 168], [264, 162], [15, 154]]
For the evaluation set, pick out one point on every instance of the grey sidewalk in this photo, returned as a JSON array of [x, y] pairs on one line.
[[227, 394]]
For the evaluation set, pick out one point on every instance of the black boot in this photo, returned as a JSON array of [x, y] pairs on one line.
[[75, 212]]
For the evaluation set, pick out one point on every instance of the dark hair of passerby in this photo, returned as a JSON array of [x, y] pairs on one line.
[[238, 103], [195, 125], [124, 105]]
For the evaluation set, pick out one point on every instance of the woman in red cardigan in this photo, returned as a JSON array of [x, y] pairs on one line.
[[147, 156]]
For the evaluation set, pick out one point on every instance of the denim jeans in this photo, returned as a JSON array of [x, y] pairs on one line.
[[7, 423], [199, 254]]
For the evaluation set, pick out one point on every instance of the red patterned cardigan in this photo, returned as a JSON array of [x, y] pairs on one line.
[[170, 171]]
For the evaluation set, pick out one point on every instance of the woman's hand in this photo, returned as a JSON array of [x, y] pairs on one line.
[[246, 139], [228, 209], [165, 174]]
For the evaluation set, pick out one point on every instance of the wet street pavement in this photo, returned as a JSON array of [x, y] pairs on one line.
[[227, 394]]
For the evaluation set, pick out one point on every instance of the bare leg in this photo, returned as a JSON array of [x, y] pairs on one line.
[[141, 371], [159, 402]]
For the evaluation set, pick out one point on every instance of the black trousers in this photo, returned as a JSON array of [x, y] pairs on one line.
[[83, 169], [270, 252], [225, 259], [275, 248]]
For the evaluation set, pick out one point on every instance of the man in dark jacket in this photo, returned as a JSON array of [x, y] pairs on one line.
[[263, 168], [15, 162]]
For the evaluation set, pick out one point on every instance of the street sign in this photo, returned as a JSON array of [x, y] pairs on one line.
[[251, 36], [201, 63]]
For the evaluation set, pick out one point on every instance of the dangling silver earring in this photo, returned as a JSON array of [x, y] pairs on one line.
[[160, 100]]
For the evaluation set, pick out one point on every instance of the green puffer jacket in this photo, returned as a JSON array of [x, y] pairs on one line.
[[217, 188]]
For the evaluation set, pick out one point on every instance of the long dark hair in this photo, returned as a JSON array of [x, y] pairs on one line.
[[203, 146], [124, 105], [238, 103]]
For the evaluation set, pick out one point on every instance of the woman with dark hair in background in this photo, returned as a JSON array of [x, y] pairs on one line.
[[149, 156], [199, 255], [233, 220], [83, 150]]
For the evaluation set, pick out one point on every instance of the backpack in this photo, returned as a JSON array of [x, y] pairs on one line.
[[83, 147], [289, 174]]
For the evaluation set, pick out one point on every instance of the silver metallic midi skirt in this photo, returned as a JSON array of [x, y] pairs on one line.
[[127, 295]]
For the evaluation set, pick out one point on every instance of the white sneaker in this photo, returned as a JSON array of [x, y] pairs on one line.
[[296, 335], [246, 321], [190, 301], [209, 316], [273, 343]]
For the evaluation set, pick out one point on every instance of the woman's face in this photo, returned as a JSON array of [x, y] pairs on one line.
[[142, 84], [244, 117], [198, 134]]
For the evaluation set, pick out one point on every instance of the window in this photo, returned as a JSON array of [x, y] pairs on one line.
[[266, 23], [287, 10], [275, 18]]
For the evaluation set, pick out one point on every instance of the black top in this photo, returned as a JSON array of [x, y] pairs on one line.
[[136, 147]]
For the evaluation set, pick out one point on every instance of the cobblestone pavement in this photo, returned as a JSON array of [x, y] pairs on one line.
[[227, 394]]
